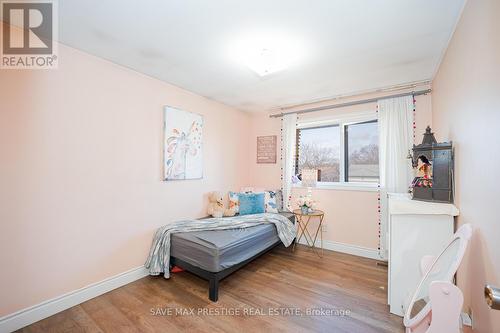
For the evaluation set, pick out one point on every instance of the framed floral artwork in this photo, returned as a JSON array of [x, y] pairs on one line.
[[183, 145]]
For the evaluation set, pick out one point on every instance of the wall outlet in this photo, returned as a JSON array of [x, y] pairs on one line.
[[466, 319], [323, 228]]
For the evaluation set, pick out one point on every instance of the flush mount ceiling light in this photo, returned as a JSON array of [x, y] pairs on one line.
[[266, 53], [265, 61]]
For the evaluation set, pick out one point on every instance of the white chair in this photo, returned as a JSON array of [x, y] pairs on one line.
[[436, 304]]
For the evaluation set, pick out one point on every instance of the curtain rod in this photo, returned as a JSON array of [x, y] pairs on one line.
[[341, 105]]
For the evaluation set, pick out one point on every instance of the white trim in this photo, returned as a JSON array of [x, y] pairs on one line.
[[363, 187], [342, 159], [356, 250], [50, 307]]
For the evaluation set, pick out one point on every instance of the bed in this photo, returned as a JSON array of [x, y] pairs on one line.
[[213, 255]]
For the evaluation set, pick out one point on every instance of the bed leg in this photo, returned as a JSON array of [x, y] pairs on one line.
[[213, 290]]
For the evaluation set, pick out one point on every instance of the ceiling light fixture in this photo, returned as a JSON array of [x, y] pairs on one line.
[[266, 53], [265, 62]]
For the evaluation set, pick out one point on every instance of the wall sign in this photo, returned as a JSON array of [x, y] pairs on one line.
[[266, 149]]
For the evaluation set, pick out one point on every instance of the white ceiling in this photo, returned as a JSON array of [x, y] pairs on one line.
[[347, 45]]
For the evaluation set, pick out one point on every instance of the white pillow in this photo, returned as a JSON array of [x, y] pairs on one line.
[[270, 202]]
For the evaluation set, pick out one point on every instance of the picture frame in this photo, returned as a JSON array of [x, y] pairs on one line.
[[183, 145]]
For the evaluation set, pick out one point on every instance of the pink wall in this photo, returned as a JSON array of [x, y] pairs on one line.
[[351, 215], [81, 172], [466, 110]]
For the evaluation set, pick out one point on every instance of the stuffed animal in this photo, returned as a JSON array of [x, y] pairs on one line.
[[216, 205]]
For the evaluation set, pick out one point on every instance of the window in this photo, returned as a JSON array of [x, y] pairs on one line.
[[343, 152], [361, 152], [319, 148]]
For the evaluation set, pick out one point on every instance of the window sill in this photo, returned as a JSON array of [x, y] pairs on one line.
[[365, 187]]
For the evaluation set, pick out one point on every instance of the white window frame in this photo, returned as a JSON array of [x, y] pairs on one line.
[[342, 122]]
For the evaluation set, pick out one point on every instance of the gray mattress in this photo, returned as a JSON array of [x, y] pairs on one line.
[[217, 250]]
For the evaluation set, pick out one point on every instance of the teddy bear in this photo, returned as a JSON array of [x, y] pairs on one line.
[[216, 205]]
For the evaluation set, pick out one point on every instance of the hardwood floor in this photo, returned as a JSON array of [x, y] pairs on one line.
[[263, 297]]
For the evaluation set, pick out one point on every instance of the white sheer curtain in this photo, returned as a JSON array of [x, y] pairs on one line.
[[288, 137], [395, 121]]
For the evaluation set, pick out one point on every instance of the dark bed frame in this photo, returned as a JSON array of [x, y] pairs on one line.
[[215, 277]]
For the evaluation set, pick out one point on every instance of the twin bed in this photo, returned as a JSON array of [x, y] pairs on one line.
[[215, 254]]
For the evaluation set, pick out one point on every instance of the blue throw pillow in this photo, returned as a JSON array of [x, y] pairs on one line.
[[251, 203]]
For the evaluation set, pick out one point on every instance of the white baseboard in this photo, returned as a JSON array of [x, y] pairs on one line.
[[359, 251], [50, 307]]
